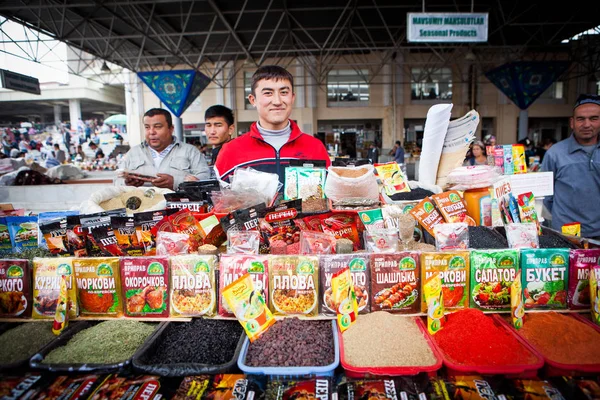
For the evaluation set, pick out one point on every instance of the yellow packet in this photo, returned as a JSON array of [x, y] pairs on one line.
[[516, 302], [518, 154], [573, 229], [344, 298], [47, 277], [392, 177], [432, 289], [249, 306], [61, 317], [595, 293]]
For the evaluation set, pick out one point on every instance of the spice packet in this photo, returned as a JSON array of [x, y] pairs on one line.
[[232, 267], [434, 298], [372, 219], [98, 287], [183, 221], [193, 285], [395, 282], [313, 388], [509, 168], [294, 285], [522, 235], [573, 229], [381, 240], [244, 220], [280, 234], [172, 244], [145, 282], [392, 177], [144, 222], [219, 387], [581, 262], [341, 225], [100, 238], [519, 164], [76, 237], [452, 207], [51, 216], [304, 182], [243, 242], [316, 243], [181, 201], [360, 272], [54, 233], [23, 232], [5, 244], [451, 236], [461, 387], [517, 310], [344, 298], [545, 278], [47, 274], [527, 211], [595, 293], [61, 316], [427, 215], [125, 233], [492, 274], [15, 288], [454, 271], [128, 387], [249, 306]]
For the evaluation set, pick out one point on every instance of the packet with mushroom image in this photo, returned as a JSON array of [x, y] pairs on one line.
[[145, 283], [344, 298]]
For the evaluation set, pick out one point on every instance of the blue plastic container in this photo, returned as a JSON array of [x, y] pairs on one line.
[[327, 370]]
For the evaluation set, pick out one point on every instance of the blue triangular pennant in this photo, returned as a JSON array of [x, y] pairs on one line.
[[199, 83], [524, 81]]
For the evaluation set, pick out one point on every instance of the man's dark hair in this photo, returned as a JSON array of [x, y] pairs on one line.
[[271, 72], [547, 141], [220, 111], [92, 144], [398, 143], [57, 146], [160, 111]]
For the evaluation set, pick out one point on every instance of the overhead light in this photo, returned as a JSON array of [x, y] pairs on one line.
[[104, 67]]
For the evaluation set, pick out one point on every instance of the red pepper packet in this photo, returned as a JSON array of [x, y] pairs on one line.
[[163, 225], [184, 222], [55, 234], [342, 225], [96, 227], [127, 240], [76, 237], [278, 229]]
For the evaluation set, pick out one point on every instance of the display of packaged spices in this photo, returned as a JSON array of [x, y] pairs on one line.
[[452, 207], [76, 237], [127, 239], [98, 286], [492, 275], [193, 285], [233, 266], [545, 278], [47, 274], [294, 285], [145, 283], [395, 282], [427, 215], [15, 288], [581, 263], [454, 271], [23, 232], [280, 234], [360, 271], [144, 222], [54, 233]]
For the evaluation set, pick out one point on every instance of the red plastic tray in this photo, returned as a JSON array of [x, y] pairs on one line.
[[554, 368], [512, 371], [362, 372]]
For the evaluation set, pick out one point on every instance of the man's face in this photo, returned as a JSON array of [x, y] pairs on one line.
[[273, 100], [217, 131], [158, 134], [585, 123]]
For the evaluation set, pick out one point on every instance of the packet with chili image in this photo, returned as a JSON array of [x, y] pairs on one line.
[[164, 225], [15, 288], [278, 229], [232, 267], [342, 226], [55, 236], [492, 275], [452, 207], [98, 286], [294, 285], [581, 263], [76, 237], [105, 238], [453, 268], [243, 220], [127, 240], [395, 282], [360, 272], [427, 215], [311, 223], [545, 278], [96, 226]]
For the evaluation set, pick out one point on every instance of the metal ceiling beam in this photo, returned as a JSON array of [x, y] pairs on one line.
[[230, 29]]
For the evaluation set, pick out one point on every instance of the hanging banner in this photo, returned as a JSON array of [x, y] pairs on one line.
[[176, 89], [524, 81], [447, 27]]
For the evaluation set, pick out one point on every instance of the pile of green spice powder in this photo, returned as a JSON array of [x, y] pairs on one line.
[[109, 342], [22, 342]]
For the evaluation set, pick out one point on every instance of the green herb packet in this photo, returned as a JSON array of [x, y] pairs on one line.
[[545, 278], [492, 274]]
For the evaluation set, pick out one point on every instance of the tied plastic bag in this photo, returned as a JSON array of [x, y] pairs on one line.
[[248, 179], [451, 236], [522, 235], [317, 243], [243, 242], [172, 244], [344, 182], [473, 177], [381, 240]]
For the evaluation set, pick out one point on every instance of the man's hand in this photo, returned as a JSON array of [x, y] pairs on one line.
[[163, 181], [131, 181], [191, 178]]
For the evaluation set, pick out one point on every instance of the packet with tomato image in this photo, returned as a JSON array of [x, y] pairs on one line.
[[545, 278], [342, 226], [452, 207], [427, 215], [453, 268], [492, 274]]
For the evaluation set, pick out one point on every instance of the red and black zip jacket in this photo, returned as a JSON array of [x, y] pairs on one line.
[[251, 150]]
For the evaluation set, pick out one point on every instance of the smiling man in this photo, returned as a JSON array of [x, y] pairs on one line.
[[275, 139], [576, 165], [161, 160]]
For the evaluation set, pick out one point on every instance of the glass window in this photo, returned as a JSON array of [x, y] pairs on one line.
[[555, 91], [431, 83], [348, 88], [247, 89]]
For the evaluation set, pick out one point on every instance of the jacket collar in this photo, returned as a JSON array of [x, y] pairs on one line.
[[296, 133], [574, 144]]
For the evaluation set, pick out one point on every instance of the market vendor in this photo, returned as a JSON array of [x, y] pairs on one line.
[[162, 160], [576, 165], [275, 139]]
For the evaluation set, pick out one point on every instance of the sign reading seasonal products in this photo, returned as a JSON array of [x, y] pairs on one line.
[[447, 27]]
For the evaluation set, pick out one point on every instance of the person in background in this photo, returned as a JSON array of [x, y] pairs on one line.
[[59, 154], [96, 138], [98, 153], [219, 126], [398, 153], [478, 155], [545, 146], [373, 153], [80, 154], [489, 140], [575, 163]]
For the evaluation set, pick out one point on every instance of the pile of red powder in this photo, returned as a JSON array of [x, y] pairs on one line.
[[471, 338]]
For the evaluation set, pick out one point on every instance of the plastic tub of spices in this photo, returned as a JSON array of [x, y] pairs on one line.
[[94, 348], [521, 359], [291, 371]]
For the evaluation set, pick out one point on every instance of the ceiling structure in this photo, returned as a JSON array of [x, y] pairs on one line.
[[210, 35]]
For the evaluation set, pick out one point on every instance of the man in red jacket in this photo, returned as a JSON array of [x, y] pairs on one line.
[[275, 139]]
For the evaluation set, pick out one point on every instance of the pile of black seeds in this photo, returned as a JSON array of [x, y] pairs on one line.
[[293, 343], [414, 194], [554, 242], [482, 237], [201, 341]]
